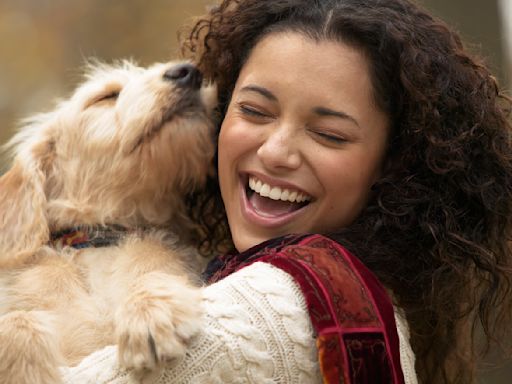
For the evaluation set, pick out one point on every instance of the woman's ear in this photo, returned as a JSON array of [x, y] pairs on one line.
[[23, 219]]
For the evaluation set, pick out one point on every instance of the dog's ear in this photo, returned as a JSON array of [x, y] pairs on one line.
[[23, 220]]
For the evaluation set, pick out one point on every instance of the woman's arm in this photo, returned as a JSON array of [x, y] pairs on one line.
[[256, 330]]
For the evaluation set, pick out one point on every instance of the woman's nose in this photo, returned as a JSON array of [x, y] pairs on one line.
[[280, 150]]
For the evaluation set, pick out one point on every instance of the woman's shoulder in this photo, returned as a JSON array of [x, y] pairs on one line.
[[349, 309], [265, 285]]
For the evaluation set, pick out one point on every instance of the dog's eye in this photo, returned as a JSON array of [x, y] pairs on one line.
[[108, 96], [105, 99]]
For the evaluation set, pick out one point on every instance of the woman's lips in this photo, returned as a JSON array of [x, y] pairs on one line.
[[265, 211]]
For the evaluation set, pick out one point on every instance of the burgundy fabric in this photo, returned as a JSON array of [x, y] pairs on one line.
[[350, 311]]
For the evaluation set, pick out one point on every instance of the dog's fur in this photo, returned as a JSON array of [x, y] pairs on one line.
[[125, 149]]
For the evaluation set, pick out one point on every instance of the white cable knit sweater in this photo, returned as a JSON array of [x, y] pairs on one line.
[[256, 330]]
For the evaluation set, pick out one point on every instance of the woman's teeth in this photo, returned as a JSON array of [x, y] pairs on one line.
[[276, 193]]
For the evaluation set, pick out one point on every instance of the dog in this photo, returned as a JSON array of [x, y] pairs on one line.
[[93, 216]]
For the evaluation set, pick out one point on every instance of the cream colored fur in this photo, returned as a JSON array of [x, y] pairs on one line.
[[124, 149]]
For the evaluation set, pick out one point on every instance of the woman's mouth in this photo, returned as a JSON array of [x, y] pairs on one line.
[[271, 205], [277, 193]]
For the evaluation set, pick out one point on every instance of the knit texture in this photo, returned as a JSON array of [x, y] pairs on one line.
[[256, 330]]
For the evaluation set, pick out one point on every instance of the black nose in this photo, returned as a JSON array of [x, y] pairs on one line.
[[184, 75]]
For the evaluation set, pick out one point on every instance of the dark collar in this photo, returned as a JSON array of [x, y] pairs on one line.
[[224, 265], [88, 237]]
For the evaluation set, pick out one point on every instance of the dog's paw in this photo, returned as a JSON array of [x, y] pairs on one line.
[[154, 324], [29, 353]]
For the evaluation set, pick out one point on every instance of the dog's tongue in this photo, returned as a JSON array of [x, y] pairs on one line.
[[271, 207]]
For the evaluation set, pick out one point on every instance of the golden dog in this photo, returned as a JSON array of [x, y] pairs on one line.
[[87, 215]]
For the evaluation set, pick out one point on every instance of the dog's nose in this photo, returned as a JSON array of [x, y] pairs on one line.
[[184, 75]]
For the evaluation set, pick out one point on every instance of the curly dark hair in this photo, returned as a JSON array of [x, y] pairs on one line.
[[436, 229]]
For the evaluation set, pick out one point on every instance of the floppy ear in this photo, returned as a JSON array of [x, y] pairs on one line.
[[23, 222]]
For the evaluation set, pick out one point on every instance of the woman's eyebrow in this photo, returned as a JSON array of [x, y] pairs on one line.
[[262, 91], [322, 111]]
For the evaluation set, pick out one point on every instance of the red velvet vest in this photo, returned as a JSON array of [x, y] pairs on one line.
[[350, 311]]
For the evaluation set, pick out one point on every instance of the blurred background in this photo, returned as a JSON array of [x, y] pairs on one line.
[[43, 45]]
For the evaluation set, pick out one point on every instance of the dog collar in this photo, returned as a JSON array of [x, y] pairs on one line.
[[88, 237]]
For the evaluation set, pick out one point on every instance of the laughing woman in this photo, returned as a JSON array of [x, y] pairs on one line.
[[365, 187]]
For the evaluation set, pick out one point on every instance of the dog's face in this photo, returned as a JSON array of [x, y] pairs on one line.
[[126, 146], [148, 127], [157, 120]]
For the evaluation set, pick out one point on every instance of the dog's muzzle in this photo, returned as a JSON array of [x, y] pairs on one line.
[[185, 76]]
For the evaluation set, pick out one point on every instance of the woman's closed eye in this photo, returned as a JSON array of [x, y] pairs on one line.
[[254, 112], [330, 137]]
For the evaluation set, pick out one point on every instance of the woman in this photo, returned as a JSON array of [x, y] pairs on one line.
[[368, 122]]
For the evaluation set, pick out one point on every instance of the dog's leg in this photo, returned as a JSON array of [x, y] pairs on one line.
[[29, 353], [161, 310], [57, 285], [156, 320]]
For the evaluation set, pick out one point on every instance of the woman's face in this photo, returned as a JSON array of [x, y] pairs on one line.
[[302, 140]]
